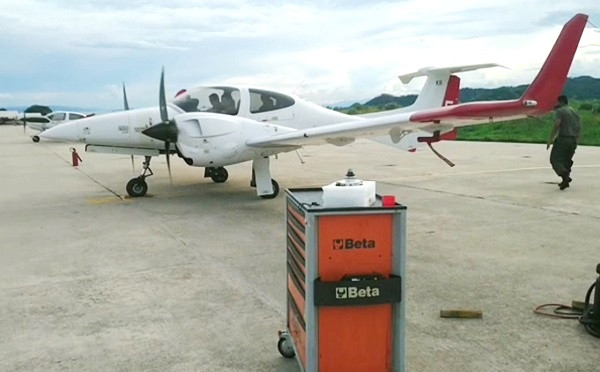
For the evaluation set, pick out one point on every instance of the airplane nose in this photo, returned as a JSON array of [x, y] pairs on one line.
[[63, 132]]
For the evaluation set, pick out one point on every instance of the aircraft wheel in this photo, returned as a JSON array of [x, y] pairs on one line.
[[285, 348], [137, 187], [275, 191], [35, 138], [219, 175]]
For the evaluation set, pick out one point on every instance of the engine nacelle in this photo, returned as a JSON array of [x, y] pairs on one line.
[[213, 140]]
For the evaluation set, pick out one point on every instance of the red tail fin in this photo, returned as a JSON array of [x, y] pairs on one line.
[[551, 80]]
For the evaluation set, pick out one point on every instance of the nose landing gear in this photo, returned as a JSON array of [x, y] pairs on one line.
[[217, 174], [137, 187]]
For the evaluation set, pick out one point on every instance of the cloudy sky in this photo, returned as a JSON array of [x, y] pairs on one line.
[[77, 52]]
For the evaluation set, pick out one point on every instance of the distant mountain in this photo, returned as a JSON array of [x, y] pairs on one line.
[[578, 88], [386, 99]]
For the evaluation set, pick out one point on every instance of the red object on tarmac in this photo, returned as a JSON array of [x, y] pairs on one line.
[[75, 159]]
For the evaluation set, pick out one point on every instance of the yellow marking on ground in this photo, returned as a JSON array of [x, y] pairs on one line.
[[109, 200]]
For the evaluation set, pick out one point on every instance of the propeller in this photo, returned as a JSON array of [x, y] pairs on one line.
[[166, 130], [126, 108], [24, 122], [125, 103]]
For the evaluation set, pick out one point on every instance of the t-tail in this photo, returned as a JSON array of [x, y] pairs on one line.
[[539, 99], [441, 88]]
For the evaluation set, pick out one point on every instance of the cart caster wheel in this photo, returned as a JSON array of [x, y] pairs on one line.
[[285, 348]]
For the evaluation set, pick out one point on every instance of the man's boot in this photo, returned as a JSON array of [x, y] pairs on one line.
[[565, 182]]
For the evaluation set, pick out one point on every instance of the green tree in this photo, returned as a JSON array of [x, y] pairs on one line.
[[44, 110]]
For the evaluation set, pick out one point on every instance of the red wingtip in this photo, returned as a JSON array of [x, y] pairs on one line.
[[551, 80]]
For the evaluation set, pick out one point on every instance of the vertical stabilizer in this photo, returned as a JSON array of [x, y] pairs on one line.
[[550, 81]]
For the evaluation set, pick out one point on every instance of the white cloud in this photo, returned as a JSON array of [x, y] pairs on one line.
[[327, 51]]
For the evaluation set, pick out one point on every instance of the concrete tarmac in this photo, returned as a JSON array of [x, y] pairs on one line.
[[192, 277]]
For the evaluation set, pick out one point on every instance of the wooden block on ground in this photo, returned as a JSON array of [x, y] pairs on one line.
[[465, 314]]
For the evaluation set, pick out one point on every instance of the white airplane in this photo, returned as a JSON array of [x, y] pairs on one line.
[[44, 122], [216, 126]]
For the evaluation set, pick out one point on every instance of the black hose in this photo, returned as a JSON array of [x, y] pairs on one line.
[[591, 315]]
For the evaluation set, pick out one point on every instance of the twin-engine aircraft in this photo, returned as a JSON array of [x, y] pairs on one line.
[[216, 126]]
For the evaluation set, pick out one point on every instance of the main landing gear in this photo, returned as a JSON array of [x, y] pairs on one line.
[[273, 183], [137, 187], [217, 174], [275, 191]]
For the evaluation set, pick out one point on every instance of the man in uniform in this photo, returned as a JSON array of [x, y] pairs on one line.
[[565, 134]]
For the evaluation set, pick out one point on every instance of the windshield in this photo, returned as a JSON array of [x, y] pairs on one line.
[[224, 100]]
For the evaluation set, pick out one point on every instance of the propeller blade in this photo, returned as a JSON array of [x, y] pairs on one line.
[[167, 152], [125, 103], [162, 100], [126, 108], [166, 130]]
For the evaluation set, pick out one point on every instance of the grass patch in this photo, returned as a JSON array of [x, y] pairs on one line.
[[531, 130]]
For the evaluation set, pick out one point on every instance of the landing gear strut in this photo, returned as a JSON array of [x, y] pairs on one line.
[[137, 187], [218, 175], [275, 191], [273, 183]]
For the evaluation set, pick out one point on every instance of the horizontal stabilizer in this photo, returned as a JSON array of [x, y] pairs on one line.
[[427, 71]]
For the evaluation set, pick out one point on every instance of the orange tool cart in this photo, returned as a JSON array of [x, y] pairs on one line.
[[345, 284]]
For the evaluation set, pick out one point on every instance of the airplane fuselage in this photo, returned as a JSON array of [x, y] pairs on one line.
[[208, 139]]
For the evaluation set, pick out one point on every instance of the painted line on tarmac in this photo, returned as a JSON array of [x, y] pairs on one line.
[[493, 200], [107, 201], [90, 177], [100, 184], [506, 170]]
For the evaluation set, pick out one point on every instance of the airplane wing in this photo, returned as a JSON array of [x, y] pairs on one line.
[[539, 99], [442, 119]]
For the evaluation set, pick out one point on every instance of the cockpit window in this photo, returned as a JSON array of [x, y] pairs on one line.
[[73, 116], [263, 101], [224, 100], [57, 116]]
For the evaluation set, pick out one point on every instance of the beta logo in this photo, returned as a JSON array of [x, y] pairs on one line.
[[343, 244], [345, 293]]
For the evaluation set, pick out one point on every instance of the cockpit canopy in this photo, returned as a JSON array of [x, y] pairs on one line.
[[226, 100]]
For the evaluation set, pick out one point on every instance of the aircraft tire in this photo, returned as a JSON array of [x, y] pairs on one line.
[[219, 175], [35, 139], [275, 191], [137, 187]]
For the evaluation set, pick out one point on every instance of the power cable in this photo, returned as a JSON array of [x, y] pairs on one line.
[[588, 315]]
